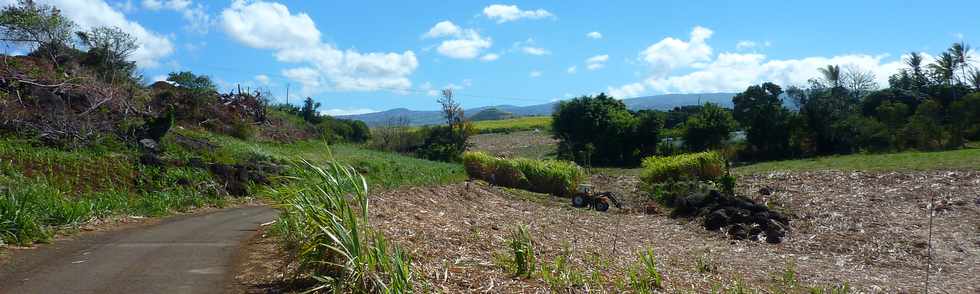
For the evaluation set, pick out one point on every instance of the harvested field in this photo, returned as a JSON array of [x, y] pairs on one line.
[[866, 229], [529, 144]]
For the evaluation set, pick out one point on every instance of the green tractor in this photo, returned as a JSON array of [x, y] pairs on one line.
[[587, 197]]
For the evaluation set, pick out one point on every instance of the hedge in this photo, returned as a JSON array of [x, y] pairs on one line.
[[704, 166], [555, 177]]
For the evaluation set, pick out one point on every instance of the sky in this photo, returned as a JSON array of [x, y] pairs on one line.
[[364, 56]]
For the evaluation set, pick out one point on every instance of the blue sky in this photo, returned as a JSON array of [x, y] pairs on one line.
[[360, 56]]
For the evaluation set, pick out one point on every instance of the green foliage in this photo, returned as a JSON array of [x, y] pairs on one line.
[[189, 80], [324, 219], [41, 27], [527, 123], [445, 143], [600, 130], [704, 166], [522, 249], [644, 277], [555, 177], [968, 159], [108, 51], [561, 276], [760, 110], [709, 129]]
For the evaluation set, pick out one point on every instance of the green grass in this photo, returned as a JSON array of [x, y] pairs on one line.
[[559, 178], [527, 123], [905, 161]]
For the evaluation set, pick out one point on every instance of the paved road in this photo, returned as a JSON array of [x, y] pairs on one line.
[[184, 254]]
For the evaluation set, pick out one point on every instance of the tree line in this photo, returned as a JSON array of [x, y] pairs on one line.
[[925, 107]]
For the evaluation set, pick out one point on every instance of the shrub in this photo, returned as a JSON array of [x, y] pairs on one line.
[[703, 166], [523, 250], [559, 178]]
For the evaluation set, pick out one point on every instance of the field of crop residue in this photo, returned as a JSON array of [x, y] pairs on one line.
[[868, 230]]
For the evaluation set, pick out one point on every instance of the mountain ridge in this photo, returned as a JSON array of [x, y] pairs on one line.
[[428, 117]]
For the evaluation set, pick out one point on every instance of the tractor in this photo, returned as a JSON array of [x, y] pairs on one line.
[[587, 197]]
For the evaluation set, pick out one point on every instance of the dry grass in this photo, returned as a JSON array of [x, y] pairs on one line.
[[862, 228]]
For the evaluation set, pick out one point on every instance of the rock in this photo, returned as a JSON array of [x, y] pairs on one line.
[[150, 159], [775, 232], [716, 220], [738, 232], [150, 144], [766, 191]]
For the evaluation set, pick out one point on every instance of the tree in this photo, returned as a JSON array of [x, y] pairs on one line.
[[447, 142], [820, 108], [961, 55], [595, 130], [893, 115], [189, 80], [709, 128], [109, 49], [974, 79], [943, 68], [924, 130], [760, 110], [831, 75], [309, 111], [40, 27]]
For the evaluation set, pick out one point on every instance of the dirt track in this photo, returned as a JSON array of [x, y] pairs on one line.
[[866, 229], [184, 254]]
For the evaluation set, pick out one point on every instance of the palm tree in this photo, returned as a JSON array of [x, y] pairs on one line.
[[914, 61], [974, 79], [831, 74], [944, 67], [961, 54]]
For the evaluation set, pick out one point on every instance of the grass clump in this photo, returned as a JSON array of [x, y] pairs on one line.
[[324, 222], [644, 277], [521, 246], [704, 166], [554, 177]]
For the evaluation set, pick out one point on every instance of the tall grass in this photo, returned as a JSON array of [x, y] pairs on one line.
[[644, 277], [513, 125], [324, 220], [691, 166], [555, 177]]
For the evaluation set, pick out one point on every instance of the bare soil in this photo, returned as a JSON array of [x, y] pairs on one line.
[[869, 230]]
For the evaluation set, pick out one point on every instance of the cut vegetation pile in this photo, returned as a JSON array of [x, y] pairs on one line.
[[555, 177], [697, 184]]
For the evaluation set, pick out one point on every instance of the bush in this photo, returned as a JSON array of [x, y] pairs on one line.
[[559, 178], [704, 166]]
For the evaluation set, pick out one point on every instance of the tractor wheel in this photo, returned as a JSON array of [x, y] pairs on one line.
[[602, 204], [579, 200]]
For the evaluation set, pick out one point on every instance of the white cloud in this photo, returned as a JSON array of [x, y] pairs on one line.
[[748, 44], [126, 7], [627, 91], [198, 20], [468, 46], [671, 53], [295, 39], [596, 62], [535, 73], [159, 78], [442, 29], [537, 51], [94, 13], [490, 57], [262, 79], [349, 111], [505, 13], [732, 72], [572, 69], [594, 35]]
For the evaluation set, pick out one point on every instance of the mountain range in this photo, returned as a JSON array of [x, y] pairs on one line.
[[659, 102]]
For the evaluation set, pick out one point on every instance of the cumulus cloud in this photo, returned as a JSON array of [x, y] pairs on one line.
[[295, 39], [594, 35], [528, 47], [535, 73], [490, 57], [504, 13], [443, 29], [596, 62], [671, 53], [747, 44], [89, 14], [468, 46], [732, 72], [198, 20], [262, 79]]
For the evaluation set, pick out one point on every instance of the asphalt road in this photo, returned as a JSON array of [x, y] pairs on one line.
[[183, 254]]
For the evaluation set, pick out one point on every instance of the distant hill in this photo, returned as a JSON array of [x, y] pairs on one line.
[[660, 102], [492, 113]]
